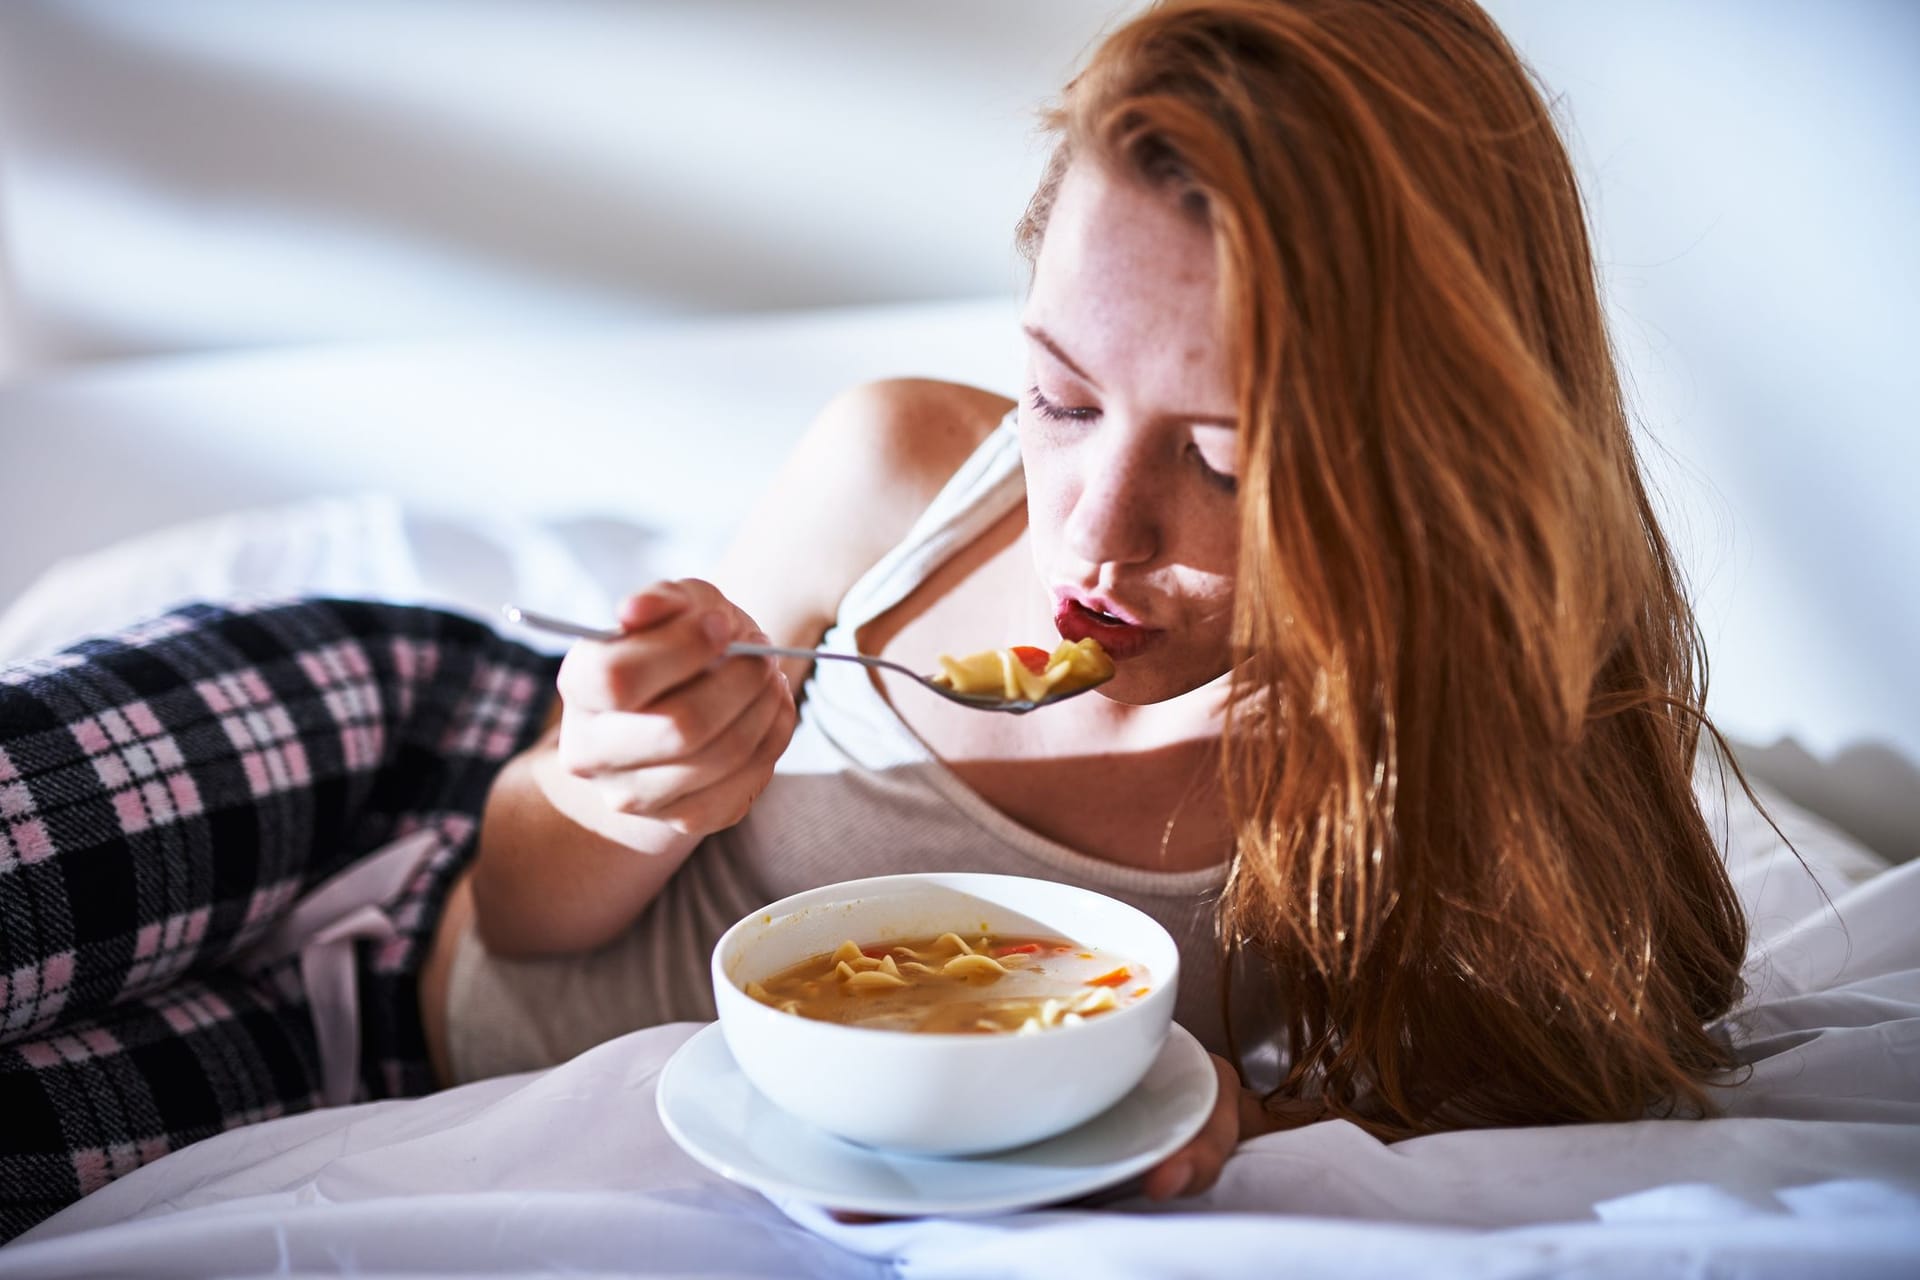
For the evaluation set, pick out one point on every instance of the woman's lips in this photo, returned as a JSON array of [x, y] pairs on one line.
[[1077, 619]]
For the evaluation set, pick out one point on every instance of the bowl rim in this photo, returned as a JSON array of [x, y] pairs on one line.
[[1164, 991]]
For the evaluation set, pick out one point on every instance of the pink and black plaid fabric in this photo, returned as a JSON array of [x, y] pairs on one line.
[[166, 794]]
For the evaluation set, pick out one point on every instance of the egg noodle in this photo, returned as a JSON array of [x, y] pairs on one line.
[[1026, 672]]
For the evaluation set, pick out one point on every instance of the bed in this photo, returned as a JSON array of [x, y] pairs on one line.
[[554, 472]]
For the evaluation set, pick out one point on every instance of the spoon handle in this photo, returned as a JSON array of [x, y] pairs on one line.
[[744, 649], [560, 626]]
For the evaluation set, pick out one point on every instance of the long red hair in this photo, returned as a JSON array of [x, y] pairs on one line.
[[1469, 860]]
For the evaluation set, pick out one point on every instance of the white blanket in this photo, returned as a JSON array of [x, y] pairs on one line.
[[1815, 1168]]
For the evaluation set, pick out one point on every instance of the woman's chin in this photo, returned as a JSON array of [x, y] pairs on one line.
[[1142, 684]]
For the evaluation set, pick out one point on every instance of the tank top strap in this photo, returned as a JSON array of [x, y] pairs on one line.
[[987, 485]]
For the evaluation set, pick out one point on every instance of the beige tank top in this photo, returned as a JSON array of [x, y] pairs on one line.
[[857, 793]]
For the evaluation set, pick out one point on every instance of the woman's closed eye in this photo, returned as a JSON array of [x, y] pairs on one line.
[[1058, 412], [1225, 481]]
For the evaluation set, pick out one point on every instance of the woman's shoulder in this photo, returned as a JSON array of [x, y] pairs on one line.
[[871, 462], [878, 453], [914, 431]]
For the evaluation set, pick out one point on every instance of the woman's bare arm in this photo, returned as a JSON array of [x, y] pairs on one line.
[[861, 476], [558, 869]]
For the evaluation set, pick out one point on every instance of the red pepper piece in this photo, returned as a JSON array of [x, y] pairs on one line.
[[1034, 660]]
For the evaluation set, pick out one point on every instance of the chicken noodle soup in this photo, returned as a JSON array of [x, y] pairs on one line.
[[953, 984], [1027, 672]]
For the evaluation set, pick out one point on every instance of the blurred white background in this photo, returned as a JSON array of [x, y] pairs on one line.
[[222, 175], [208, 173]]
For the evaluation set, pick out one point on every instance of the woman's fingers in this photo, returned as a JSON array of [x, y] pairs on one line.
[[662, 723], [672, 632], [629, 673], [676, 727], [650, 604], [732, 751], [725, 802], [1196, 1166]]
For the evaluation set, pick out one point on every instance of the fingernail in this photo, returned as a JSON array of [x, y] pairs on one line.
[[717, 627], [1181, 1181]]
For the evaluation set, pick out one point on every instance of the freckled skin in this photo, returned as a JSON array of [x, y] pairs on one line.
[[1118, 506]]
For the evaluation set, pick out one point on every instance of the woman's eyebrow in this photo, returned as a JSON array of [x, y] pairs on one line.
[[1039, 335]]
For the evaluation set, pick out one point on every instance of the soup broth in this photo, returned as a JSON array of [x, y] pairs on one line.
[[981, 983]]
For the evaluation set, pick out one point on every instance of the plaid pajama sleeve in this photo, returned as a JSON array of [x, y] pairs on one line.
[[167, 794]]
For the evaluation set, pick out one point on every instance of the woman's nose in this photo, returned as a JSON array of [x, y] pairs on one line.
[[1113, 518]]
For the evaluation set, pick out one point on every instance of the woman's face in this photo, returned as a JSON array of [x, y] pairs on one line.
[[1128, 434]]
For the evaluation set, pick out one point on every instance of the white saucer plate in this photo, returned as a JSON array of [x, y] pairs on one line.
[[721, 1120]]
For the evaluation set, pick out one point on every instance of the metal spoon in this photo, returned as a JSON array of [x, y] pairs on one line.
[[978, 701]]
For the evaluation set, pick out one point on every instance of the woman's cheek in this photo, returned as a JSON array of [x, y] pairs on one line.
[[1049, 507]]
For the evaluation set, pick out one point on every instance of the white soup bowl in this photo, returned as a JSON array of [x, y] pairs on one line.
[[941, 1094]]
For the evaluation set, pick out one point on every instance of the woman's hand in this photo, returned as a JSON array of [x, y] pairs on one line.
[[1196, 1167], [662, 724]]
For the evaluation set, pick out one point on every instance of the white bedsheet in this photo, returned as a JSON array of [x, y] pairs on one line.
[[1815, 1169]]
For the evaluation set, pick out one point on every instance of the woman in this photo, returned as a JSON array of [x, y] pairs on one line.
[[1322, 439]]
